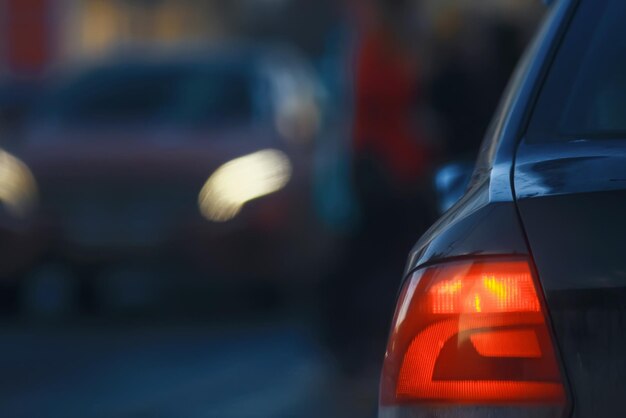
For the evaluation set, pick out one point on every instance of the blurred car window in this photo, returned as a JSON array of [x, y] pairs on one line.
[[584, 95], [189, 95]]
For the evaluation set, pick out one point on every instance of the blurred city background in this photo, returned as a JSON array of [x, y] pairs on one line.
[[207, 204]]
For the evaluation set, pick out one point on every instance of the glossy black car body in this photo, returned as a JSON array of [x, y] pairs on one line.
[[561, 204]]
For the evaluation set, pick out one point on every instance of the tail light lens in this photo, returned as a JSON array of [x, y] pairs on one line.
[[472, 335]]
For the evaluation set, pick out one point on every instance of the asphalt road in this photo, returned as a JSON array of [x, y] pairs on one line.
[[124, 369]]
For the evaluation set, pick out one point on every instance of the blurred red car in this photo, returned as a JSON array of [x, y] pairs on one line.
[[197, 161]]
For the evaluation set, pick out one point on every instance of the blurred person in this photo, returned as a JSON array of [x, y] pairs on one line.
[[387, 91], [334, 198], [391, 159]]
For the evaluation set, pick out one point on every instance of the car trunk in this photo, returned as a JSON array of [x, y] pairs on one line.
[[572, 204]]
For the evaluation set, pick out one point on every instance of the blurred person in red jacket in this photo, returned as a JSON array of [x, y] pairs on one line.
[[391, 154], [387, 94], [391, 161]]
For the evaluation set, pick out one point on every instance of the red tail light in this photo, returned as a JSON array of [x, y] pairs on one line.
[[472, 333]]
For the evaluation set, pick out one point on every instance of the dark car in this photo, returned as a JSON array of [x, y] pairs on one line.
[[190, 165], [514, 302]]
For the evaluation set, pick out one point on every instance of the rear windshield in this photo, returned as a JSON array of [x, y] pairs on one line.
[[151, 94], [584, 96]]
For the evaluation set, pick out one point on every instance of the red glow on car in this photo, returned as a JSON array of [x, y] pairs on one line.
[[471, 332]]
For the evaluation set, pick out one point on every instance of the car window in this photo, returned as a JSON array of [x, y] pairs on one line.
[[584, 96], [143, 95]]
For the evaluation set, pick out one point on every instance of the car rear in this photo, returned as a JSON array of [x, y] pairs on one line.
[[513, 303]]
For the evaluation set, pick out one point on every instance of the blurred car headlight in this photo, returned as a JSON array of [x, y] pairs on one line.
[[18, 189], [241, 180]]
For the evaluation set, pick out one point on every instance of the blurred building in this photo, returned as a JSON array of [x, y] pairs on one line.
[[94, 27], [38, 34]]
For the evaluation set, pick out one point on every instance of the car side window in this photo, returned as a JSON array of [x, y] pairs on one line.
[[584, 95]]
